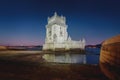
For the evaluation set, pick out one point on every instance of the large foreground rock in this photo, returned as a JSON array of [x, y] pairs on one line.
[[110, 57]]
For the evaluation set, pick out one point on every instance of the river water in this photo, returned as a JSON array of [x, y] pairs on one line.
[[91, 57]]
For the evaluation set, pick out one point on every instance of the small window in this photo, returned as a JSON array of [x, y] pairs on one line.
[[61, 34], [49, 33]]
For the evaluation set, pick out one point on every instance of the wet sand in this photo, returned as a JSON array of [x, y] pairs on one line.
[[33, 67]]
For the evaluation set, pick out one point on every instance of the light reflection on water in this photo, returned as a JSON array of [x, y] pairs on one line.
[[72, 58]]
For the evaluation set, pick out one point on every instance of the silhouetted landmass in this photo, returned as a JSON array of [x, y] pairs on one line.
[[20, 47], [93, 46]]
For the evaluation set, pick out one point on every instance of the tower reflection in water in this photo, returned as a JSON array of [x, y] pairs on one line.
[[65, 58]]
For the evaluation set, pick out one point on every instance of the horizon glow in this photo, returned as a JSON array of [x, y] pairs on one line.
[[23, 22]]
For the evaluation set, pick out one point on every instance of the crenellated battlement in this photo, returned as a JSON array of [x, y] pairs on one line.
[[56, 19]]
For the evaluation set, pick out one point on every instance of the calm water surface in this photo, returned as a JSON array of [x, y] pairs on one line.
[[91, 57]]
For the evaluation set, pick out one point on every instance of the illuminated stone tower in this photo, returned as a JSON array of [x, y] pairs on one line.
[[57, 35]]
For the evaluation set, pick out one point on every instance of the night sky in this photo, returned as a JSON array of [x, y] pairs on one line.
[[22, 22]]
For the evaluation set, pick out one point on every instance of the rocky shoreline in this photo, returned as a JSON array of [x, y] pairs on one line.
[[29, 67]]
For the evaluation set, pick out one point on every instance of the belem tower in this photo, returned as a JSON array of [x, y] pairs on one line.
[[57, 37]]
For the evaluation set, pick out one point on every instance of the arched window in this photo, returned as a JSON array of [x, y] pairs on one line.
[[61, 33], [55, 38], [50, 33]]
